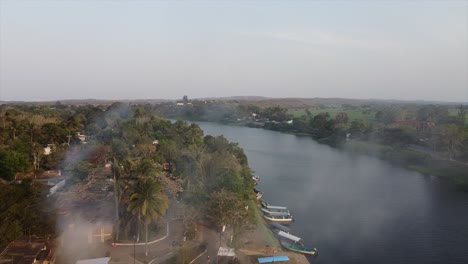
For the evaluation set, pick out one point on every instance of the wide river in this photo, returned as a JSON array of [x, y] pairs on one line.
[[355, 209]]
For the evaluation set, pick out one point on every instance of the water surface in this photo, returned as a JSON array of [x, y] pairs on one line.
[[355, 209]]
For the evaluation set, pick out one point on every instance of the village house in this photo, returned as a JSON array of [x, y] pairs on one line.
[[28, 252]]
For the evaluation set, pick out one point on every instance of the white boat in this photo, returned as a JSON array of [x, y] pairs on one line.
[[268, 206], [279, 218], [256, 179], [289, 238], [258, 194], [272, 211]]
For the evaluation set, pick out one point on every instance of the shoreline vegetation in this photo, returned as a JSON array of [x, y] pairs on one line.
[[428, 138], [124, 165]]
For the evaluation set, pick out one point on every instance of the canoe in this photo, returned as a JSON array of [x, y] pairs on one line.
[[256, 179], [289, 238], [258, 194], [299, 248], [279, 227], [267, 205], [279, 218], [275, 211]]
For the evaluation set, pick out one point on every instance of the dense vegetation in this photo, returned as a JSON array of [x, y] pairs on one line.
[[430, 138], [142, 150], [23, 213]]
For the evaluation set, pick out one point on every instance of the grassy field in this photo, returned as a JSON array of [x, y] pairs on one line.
[[454, 112], [355, 113], [364, 114], [263, 227]]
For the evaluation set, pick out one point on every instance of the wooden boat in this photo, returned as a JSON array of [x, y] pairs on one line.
[[299, 248], [279, 218], [283, 236], [279, 227], [256, 179], [271, 211], [258, 193], [267, 205]]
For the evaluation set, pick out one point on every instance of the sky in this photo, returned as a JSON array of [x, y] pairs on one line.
[[111, 49]]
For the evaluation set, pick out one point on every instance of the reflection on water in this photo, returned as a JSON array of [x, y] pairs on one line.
[[355, 209]]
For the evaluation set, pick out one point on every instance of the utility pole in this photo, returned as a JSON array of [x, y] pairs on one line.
[[69, 137]]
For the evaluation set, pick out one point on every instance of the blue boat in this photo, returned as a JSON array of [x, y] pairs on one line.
[[299, 248], [279, 227]]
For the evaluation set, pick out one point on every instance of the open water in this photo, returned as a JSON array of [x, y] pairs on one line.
[[355, 209]]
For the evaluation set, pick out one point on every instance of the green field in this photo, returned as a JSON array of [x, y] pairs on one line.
[[365, 114]]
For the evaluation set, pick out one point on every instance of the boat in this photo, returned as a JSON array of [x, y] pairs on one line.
[[279, 227], [283, 236], [256, 179], [279, 218], [267, 205], [299, 248], [258, 193], [275, 211]]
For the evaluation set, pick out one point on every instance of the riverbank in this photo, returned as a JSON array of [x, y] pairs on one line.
[[451, 172], [261, 242]]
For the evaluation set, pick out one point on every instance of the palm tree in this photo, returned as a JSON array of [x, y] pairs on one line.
[[147, 203]]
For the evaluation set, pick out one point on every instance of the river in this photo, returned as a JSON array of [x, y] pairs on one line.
[[355, 209]]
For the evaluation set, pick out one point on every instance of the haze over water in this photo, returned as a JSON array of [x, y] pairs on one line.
[[355, 209]]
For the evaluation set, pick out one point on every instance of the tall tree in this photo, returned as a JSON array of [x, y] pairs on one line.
[[148, 203]]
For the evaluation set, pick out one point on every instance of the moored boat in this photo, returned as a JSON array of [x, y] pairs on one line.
[[271, 211], [279, 218], [258, 194], [299, 248], [279, 227], [256, 179], [267, 205], [283, 236]]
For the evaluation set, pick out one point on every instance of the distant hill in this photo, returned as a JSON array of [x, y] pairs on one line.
[[292, 103], [89, 101], [298, 103]]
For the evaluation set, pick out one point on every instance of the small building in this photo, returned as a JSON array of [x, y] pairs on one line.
[[27, 252]]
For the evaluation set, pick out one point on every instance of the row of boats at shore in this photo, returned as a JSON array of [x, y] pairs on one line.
[[278, 216]]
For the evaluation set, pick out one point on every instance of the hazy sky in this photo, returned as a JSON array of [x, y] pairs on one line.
[[108, 49]]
